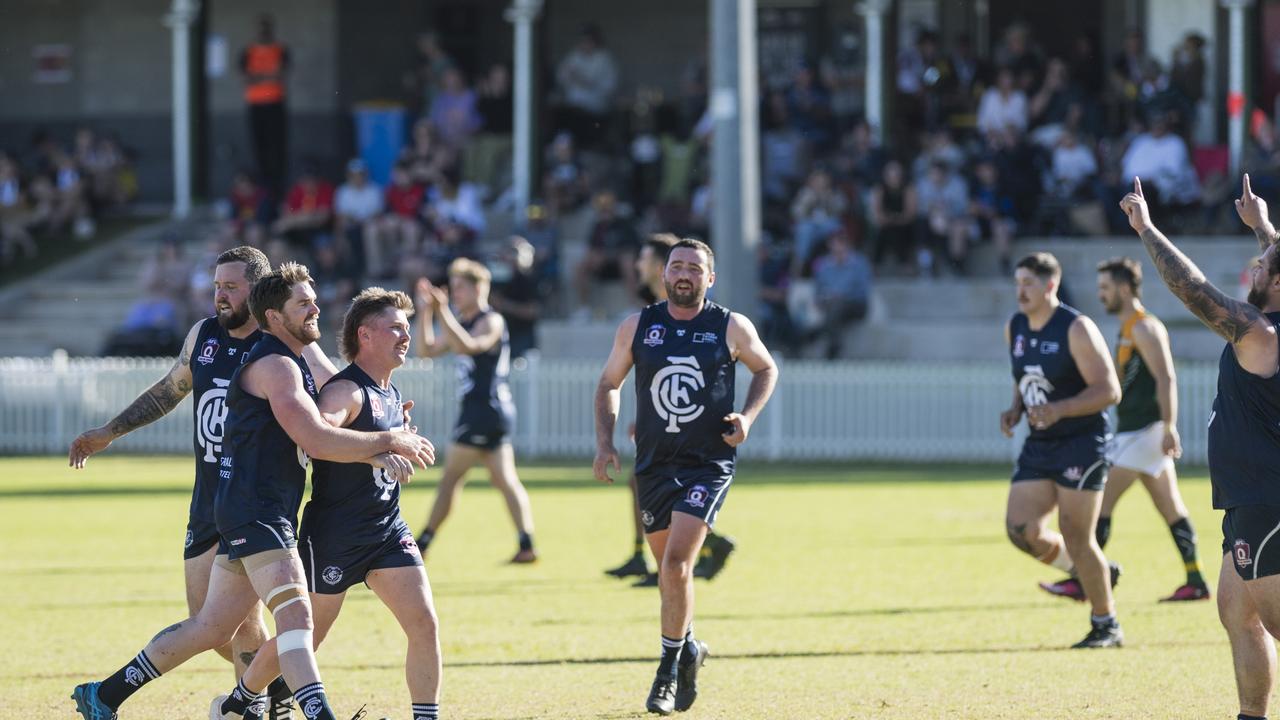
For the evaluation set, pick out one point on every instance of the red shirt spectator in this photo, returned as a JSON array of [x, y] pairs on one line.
[[310, 196], [404, 200]]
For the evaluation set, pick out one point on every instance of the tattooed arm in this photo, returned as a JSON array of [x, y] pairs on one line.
[[1239, 323], [1253, 212], [155, 403]]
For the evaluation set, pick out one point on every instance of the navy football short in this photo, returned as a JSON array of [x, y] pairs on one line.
[[201, 535], [1251, 541], [332, 568], [698, 492], [257, 536], [484, 428], [1078, 462]]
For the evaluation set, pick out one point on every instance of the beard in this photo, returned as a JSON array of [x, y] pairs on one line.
[[1257, 298], [304, 333], [690, 298], [1112, 308], [234, 319]]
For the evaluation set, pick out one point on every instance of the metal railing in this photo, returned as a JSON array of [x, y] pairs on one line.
[[843, 411]]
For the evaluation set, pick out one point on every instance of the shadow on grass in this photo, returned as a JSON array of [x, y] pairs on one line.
[[827, 614]]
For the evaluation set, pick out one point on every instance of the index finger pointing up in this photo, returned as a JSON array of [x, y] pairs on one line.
[[1137, 186], [1247, 190]]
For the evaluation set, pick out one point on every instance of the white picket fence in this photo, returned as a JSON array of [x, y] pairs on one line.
[[821, 411]]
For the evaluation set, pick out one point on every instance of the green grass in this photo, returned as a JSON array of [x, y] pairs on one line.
[[883, 592]]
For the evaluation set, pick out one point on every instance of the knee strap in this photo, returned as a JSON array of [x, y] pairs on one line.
[[284, 596], [292, 640]]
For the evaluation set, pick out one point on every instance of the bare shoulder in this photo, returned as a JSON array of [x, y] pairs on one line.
[[270, 373], [1149, 328], [628, 327]]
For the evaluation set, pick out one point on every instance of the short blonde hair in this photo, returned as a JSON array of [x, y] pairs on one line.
[[474, 272], [370, 302]]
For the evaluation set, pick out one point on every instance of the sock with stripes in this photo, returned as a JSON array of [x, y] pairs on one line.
[[313, 703], [127, 681], [1103, 531], [240, 699], [425, 711], [1184, 536], [670, 654]]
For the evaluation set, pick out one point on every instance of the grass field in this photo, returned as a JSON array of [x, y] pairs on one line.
[[885, 592]]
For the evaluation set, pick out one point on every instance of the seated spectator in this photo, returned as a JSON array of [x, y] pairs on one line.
[[453, 110], [356, 206], [454, 219], [611, 252], [167, 272], [842, 280], [859, 161], [250, 207], [540, 229], [15, 215], [783, 151], [1002, 106], [1161, 160], [809, 105], [150, 329], [1072, 167], [488, 155], [893, 216], [586, 80], [427, 156], [1055, 105], [307, 214], [816, 212], [516, 293], [991, 208], [565, 183], [397, 229], [70, 199], [938, 146], [942, 204]]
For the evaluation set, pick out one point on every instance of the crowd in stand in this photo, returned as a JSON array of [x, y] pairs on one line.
[[979, 152], [55, 189]]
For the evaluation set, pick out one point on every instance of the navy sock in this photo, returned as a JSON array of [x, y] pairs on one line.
[[127, 681], [670, 654], [689, 651], [311, 699], [1242, 716], [1103, 531], [526, 541], [425, 711], [240, 699]]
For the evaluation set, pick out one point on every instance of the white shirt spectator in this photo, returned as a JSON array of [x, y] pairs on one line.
[[588, 79], [1073, 165], [464, 208], [997, 111], [1163, 159], [358, 203]]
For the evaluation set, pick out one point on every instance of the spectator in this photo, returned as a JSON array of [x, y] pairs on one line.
[[923, 75], [166, 274], [488, 155], [842, 279], [516, 294], [1188, 73], [810, 107], [611, 252], [250, 208], [151, 327], [397, 230], [1055, 106], [783, 151], [968, 75], [453, 110], [15, 216], [860, 160], [1003, 106], [1161, 160], [893, 216], [454, 219], [70, 199], [539, 228], [843, 75], [992, 210], [1128, 68], [356, 205], [776, 326], [263, 66], [1086, 68], [427, 157], [1072, 167], [938, 146], [432, 63], [816, 212], [1016, 53], [307, 214], [587, 79], [942, 201], [565, 182]]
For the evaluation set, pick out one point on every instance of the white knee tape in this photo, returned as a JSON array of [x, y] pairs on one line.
[[291, 640]]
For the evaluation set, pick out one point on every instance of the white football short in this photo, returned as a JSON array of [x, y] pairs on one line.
[[1140, 450]]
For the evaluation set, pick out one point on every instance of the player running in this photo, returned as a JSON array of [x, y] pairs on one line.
[[273, 426], [1146, 442], [352, 530], [685, 352], [1064, 382], [1244, 437]]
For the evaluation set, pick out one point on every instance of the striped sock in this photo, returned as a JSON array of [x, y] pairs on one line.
[[425, 711], [239, 700], [314, 704], [670, 654], [127, 681]]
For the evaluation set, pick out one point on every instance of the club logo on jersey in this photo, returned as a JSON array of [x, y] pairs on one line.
[[1072, 474], [211, 418], [312, 707], [231, 352], [671, 391], [384, 483], [375, 406], [1034, 386], [709, 338], [133, 676], [646, 517], [332, 575], [208, 351], [1019, 348], [654, 335], [190, 539], [696, 497], [1243, 556]]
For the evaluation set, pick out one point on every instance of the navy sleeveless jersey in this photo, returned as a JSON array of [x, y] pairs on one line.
[[264, 471], [684, 388], [482, 378], [1045, 371], [214, 358], [357, 503], [1244, 435]]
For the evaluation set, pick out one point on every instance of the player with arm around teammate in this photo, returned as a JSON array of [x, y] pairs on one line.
[[685, 352], [352, 530], [273, 428], [1063, 382]]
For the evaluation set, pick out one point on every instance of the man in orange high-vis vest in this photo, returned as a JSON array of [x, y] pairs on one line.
[[263, 65]]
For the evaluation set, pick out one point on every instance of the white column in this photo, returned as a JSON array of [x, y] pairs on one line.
[[1235, 81], [522, 14], [872, 12], [181, 14]]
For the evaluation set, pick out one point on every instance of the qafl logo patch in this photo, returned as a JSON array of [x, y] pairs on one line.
[[211, 418], [208, 352], [1242, 553], [332, 575], [655, 335], [672, 391], [696, 497]]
